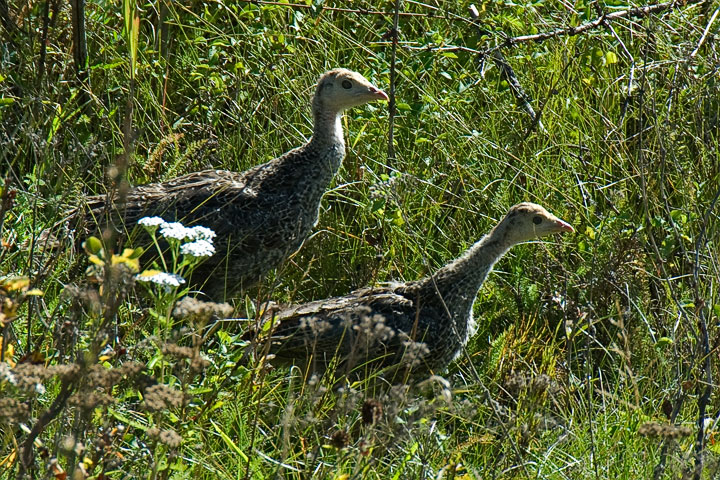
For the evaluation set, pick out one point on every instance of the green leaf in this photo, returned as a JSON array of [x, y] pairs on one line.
[[590, 232], [92, 245], [228, 441], [678, 216]]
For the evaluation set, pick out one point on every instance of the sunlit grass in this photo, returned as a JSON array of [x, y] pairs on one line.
[[629, 156]]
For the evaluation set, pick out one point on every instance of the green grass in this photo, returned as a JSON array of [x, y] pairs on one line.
[[610, 316]]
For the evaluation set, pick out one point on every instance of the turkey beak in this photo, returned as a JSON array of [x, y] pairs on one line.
[[378, 93], [564, 226]]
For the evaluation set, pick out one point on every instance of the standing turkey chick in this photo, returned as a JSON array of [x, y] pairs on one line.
[[260, 216], [424, 323]]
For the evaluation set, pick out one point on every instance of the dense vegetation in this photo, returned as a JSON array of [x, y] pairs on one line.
[[596, 355]]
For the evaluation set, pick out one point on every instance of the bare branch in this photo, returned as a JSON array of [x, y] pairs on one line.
[[704, 397], [509, 75], [638, 12], [26, 449]]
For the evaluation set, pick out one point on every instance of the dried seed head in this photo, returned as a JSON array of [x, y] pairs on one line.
[[13, 411], [540, 383], [90, 400], [159, 397], [371, 411], [340, 439], [415, 352], [29, 377], [170, 438], [198, 311], [66, 372], [516, 383], [68, 444], [175, 350], [655, 429], [131, 369], [100, 376], [197, 362], [372, 328]]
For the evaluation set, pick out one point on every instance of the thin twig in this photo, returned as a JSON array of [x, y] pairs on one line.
[[393, 79], [80, 54], [683, 369], [43, 40], [509, 75], [637, 12], [26, 449], [704, 397], [9, 26], [6, 200], [705, 32], [359, 11]]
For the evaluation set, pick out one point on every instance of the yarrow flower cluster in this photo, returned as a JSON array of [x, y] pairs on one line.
[[161, 278], [198, 243], [178, 231], [198, 248], [201, 233], [151, 221], [174, 230], [200, 238]]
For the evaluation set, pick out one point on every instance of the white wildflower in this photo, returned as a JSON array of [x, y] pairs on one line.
[[175, 230], [198, 248], [161, 278], [151, 221], [7, 374], [201, 233]]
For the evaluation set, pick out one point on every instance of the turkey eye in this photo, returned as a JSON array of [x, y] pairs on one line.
[[346, 84], [537, 220]]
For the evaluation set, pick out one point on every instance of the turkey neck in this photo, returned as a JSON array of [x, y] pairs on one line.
[[327, 145], [459, 282], [306, 172]]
